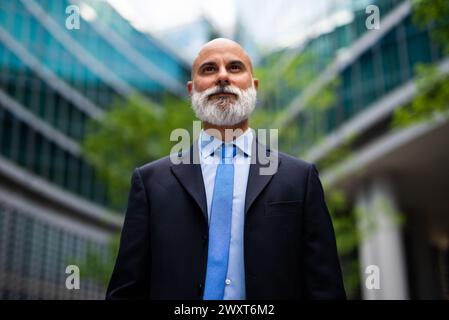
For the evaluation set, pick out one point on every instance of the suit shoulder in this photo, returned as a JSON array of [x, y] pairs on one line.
[[294, 162], [156, 165]]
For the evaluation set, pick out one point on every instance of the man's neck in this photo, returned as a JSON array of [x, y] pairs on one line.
[[226, 133]]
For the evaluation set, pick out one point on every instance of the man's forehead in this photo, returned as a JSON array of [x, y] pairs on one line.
[[219, 56], [216, 52]]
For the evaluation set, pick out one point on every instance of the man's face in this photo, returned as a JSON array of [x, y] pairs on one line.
[[222, 86]]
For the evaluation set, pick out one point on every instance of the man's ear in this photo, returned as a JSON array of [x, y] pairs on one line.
[[189, 86], [256, 83]]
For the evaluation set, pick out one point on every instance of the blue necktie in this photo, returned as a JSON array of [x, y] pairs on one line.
[[220, 226]]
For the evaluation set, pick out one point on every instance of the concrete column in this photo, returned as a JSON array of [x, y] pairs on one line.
[[381, 250]]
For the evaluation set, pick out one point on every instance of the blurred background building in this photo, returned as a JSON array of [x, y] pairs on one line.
[[54, 207], [397, 178]]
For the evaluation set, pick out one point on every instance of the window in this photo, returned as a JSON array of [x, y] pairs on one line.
[[390, 60]]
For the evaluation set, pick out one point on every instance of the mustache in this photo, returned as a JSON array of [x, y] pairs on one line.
[[223, 89]]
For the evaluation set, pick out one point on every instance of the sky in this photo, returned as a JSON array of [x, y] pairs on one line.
[[271, 22], [156, 16]]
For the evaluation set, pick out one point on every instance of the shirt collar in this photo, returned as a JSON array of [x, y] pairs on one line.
[[209, 144]]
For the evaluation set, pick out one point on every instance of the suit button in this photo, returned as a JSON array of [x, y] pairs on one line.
[[204, 240]]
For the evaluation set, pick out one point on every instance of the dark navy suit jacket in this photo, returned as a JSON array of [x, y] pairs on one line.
[[289, 242]]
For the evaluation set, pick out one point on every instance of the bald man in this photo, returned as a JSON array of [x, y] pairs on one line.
[[213, 225]]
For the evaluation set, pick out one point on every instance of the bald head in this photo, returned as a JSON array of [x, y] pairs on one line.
[[220, 46]]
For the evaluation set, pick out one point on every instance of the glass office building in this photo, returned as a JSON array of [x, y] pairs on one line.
[[54, 77], [389, 170], [387, 62]]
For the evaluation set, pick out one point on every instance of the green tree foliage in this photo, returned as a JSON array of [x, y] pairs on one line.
[[132, 134], [431, 102], [432, 85], [435, 15]]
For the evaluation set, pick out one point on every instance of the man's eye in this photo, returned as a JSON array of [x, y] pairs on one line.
[[235, 67], [208, 69]]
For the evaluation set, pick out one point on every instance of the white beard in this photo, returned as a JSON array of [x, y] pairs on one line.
[[223, 112]]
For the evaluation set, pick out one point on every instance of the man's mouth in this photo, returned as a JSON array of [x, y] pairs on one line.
[[222, 95]]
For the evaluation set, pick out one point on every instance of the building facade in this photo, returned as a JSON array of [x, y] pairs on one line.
[[57, 72], [397, 177]]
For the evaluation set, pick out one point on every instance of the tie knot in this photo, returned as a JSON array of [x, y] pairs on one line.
[[228, 151]]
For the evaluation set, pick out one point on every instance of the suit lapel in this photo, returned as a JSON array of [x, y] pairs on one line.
[[189, 174], [257, 181]]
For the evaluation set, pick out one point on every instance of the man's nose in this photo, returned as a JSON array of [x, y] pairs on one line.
[[223, 78]]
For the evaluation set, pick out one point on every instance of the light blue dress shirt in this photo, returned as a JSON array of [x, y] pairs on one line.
[[209, 159]]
